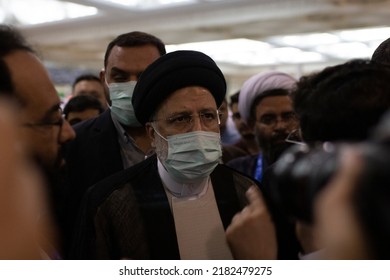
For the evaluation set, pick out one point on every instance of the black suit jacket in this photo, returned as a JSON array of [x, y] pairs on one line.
[[128, 215], [91, 157], [94, 154]]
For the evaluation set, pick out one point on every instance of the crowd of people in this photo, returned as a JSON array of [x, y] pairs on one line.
[[140, 163]]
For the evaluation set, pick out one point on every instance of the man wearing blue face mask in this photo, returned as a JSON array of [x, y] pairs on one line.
[[178, 203], [115, 140]]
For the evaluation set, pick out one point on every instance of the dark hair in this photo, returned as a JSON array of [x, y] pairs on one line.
[[234, 98], [134, 39], [343, 102], [11, 40], [85, 77], [260, 97], [382, 53], [81, 103], [6, 87]]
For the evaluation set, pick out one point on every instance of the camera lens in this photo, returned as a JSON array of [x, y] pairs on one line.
[[299, 174]]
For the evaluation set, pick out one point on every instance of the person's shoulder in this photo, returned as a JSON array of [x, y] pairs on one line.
[[97, 193], [96, 123], [236, 180], [238, 176], [230, 152], [241, 160]]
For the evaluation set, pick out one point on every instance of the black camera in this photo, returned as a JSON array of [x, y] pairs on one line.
[[299, 175]]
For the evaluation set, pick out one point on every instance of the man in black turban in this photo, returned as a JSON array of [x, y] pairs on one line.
[[178, 203]]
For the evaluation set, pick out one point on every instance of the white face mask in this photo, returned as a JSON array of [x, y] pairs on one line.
[[192, 155], [121, 106]]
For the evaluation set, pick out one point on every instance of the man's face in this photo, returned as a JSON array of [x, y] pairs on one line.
[[244, 130], [93, 88], [40, 113], [126, 64], [172, 117], [275, 119]]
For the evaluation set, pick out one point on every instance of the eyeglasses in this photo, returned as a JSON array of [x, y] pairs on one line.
[[59, 123], [272, 120], [183, 121], [295, 137], [47, 123]]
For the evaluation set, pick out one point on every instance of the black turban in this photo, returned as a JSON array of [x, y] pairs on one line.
[[174, 71]]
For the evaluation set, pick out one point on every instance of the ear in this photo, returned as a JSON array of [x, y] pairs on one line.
[[150, 132], [102, 75]]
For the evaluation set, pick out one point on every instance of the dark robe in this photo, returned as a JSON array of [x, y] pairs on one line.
[[128, 215]]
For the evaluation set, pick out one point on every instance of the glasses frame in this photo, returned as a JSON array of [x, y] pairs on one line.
[[297, 133], [199, 115], [59, 123]]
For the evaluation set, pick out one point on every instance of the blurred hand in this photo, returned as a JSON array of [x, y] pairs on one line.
[[252, 235]]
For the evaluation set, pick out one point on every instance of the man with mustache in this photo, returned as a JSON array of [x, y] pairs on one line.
[[266, 107], [41, 125], [341, 103]]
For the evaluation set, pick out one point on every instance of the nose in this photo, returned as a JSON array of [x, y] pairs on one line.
[[67, 133], [281, 124], [197, 124]]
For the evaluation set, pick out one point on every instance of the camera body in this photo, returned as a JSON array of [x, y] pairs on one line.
[[299, 175]]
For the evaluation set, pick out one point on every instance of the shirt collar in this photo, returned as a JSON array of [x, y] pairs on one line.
[[121, 131]]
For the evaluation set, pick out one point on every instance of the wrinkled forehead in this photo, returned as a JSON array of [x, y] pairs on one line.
[[88, 84], [191, 99], [280, 102]]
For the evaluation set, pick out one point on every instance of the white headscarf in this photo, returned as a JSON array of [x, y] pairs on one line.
[[260, 83]]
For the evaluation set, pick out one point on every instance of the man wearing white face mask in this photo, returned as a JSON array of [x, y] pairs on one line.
[[115, 140], [177, 204], [121, 107]]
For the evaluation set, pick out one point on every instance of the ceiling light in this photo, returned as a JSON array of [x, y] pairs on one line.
[[236, 51], [365, 34], [148, 4], [304, 40], [296, 56], [41, 11], [346, 50]]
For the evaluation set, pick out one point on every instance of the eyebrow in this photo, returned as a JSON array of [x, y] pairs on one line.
[[175, 113], [51, 111], [268, 114], [190, 112], [117, 70]]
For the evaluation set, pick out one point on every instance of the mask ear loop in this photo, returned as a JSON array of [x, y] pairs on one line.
[[105, 78], [219, 114], [158, 133], [295, 134]]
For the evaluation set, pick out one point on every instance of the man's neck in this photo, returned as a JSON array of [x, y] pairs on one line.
[[140, 137], [251, 144]]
